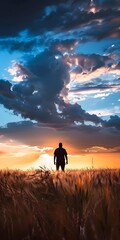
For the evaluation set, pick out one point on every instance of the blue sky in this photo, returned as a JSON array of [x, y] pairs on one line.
[[60, 69]]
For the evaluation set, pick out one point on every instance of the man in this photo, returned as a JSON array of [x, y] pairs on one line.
[[60, 155]]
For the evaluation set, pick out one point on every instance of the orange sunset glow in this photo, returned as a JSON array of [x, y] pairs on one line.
[[25, 157], [60, 120], [60, 82]]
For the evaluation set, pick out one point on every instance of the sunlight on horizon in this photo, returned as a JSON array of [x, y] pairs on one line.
[[26, 157], [79, 162]]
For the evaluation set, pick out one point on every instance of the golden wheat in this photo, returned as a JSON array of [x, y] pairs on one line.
[[77, 204]]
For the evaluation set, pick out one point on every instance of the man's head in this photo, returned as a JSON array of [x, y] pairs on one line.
[[60, 145]]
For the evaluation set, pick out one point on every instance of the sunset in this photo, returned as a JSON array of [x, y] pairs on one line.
[[60, 120], [59, 82]]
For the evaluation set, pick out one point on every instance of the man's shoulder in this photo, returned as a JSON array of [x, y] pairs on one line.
[[60, 149], [64, 150], [56, 149]]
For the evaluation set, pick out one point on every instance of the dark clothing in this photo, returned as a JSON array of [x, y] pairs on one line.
[[58, 164], [60, 155]]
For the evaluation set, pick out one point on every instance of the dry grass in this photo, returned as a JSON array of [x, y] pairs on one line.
[[40, 204]]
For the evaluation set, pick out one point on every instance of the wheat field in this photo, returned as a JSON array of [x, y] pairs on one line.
[[75, 205]]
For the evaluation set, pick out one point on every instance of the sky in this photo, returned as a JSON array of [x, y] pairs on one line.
[[59, 82]]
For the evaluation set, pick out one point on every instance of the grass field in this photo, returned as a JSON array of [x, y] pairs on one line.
[[44, 205]]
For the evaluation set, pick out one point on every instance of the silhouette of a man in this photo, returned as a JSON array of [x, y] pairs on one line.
[[60, 155]]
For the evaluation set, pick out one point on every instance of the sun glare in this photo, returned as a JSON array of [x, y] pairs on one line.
[[45, 160]]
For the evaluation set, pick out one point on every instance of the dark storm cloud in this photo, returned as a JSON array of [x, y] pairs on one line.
[[28, 133], [118, 67], [59, 26], [83, 137], [17, 15], [5, 89], [113, 121], [76, 113], [39, 97], [107, 3], [39, 17], [96, 84], [15, 130], [16, 45], [107, 28], [66, 18], [89, 136], [63, 45], [87, 18], [88, 63]]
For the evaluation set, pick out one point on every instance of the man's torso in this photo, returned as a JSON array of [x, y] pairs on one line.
[[60, 154]]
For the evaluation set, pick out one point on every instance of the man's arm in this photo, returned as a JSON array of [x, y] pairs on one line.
[[54, 159], [66, 157]]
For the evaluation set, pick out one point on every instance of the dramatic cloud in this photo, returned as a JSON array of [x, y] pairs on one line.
[[96, 85], [44, 16], [5, 89], [43, 87], [83, 139], [60, 72], [17, 16], [114, 121], [17, 45], [107, 3]]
